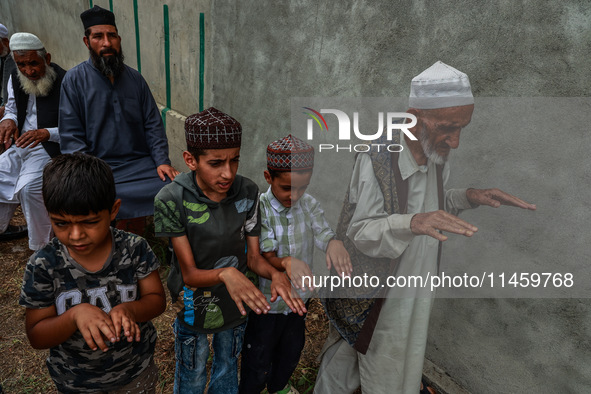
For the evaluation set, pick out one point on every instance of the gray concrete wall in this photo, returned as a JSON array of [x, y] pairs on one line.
[[271, 52], [260, 54]]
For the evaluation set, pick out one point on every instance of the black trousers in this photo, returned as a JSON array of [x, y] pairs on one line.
[[271, 351]]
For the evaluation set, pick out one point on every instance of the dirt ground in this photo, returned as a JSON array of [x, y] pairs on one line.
[[22, 368]]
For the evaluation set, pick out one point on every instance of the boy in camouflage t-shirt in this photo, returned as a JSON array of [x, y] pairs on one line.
[[92, 287]]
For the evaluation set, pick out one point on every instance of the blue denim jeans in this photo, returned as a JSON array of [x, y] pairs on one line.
[[192, 352]]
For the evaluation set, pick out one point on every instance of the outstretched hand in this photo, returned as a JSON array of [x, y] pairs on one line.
[[297, 269], [495, 198], [430, 222], [281, 287], [338, 257], [242, 291]]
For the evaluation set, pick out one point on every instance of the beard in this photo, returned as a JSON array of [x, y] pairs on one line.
[[40, 87], [429, 149], [109, 66]]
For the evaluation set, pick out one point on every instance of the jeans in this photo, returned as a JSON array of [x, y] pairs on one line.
[[192, 352]]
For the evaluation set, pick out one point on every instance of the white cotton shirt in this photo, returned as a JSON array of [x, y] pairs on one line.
[[22, 165], [394, 360]]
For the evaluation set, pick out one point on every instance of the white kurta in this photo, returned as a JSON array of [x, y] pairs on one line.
[[21, 171], [394, 360]]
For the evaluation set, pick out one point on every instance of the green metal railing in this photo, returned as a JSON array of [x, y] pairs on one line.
[[201, 59], [136, 21], [166, 62]]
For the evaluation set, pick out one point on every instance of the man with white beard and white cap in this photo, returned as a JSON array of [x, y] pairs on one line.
[[391, 224], [7, 66], [28, 132]]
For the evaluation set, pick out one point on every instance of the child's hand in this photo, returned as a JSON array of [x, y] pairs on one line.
[[297, 269], [122, 317], [95, 326], [338, 257], [242, 290], [280, 286]]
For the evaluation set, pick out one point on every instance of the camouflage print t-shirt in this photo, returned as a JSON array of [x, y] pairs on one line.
[[52, 277]]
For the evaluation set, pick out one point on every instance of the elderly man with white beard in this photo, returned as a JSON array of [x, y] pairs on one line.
[[29, 135], [391, 223]]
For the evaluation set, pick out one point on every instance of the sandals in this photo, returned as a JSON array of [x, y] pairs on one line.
[[13, 232]]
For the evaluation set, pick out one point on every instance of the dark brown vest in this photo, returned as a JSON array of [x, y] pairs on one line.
[[47, 107]]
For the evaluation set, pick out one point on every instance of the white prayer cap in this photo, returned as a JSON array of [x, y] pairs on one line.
[[25, 42], [3, 31], [440, 86]]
